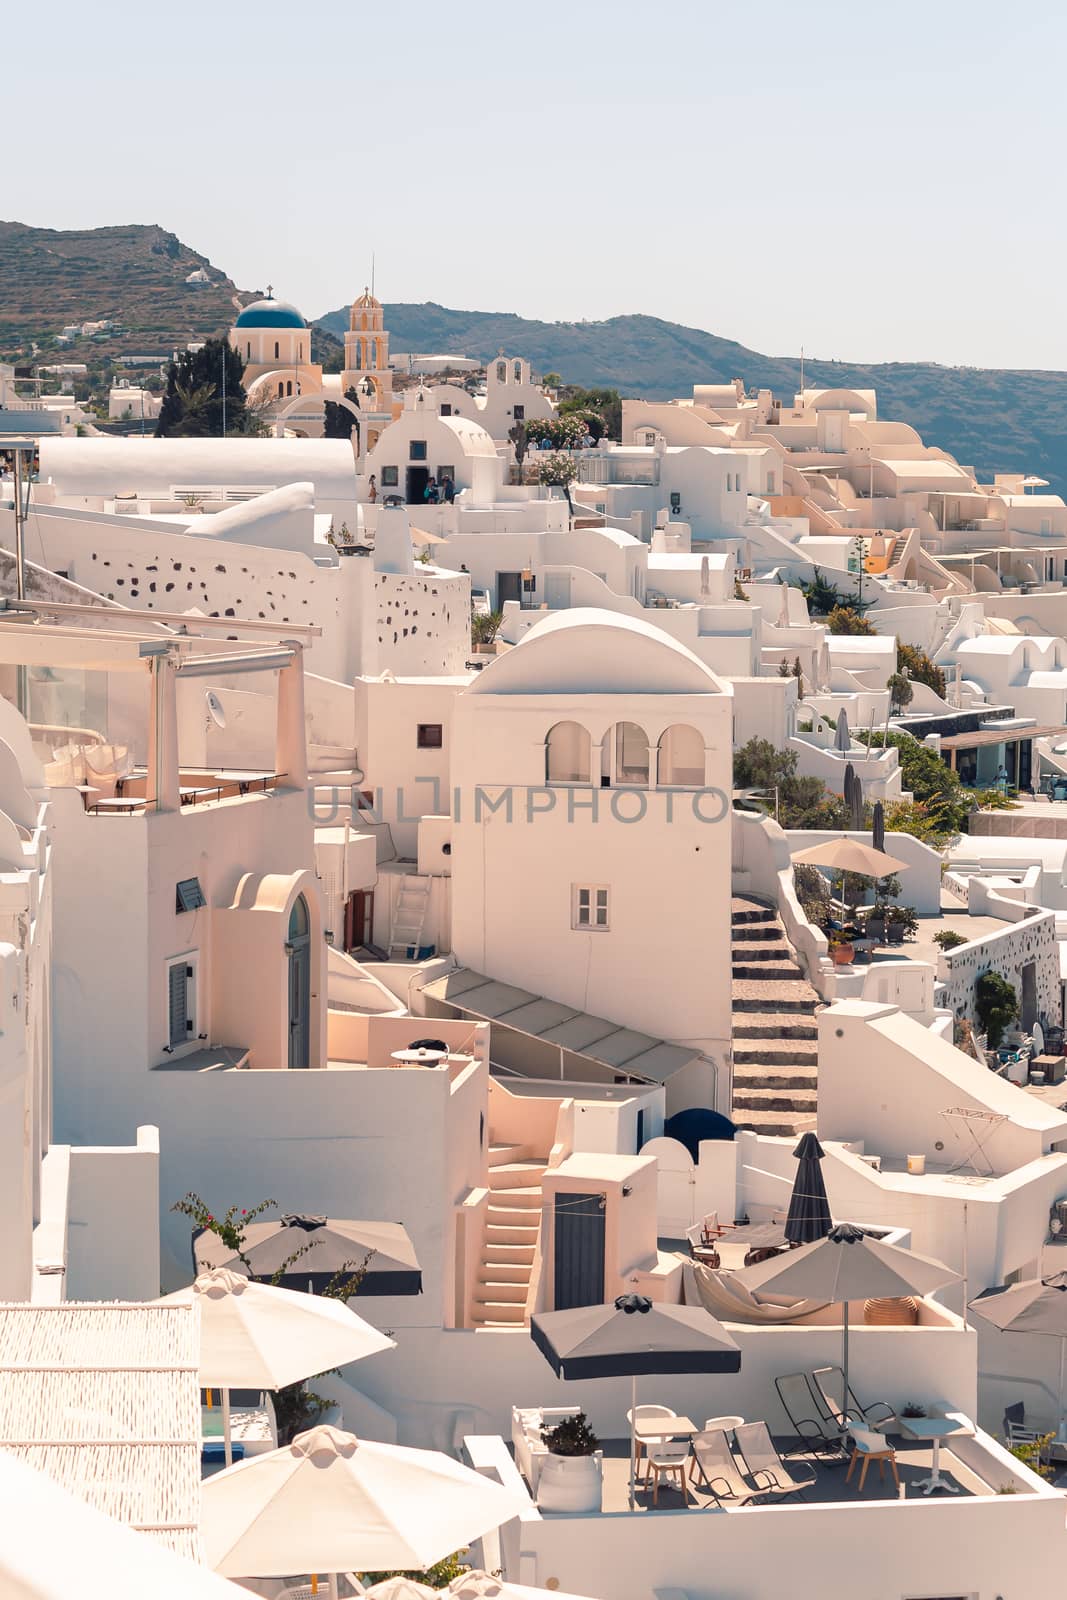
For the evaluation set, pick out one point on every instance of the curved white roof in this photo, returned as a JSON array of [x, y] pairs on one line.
[[474, 439], [586, 651], [152, 467]]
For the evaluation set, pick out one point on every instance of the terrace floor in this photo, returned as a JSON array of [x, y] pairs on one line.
[[914, 1463]]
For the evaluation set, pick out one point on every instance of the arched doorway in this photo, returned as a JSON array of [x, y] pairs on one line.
[[298, 948]]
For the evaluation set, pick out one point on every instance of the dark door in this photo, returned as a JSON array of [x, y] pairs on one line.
[[359, 919], [579, 1248], [508, 587], [1024, 779], [417, 479], [640, 1129], [1028, 999], [299, 951]]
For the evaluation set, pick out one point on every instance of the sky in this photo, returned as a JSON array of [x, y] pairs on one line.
[[870, 181]]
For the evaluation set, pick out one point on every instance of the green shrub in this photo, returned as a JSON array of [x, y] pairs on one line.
[[997, 1006]]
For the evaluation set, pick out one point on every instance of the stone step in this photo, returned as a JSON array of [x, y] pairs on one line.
[[775, 1100], [742, 909], [505, 1272], [772, 972], [786, 1053], [775, 1123], [511, 1197], [757, 933], [502, 1155], [510, 1253], [774, 998], [501, 1291], [779, 952], [516, 1175], [787, 1025], [499, 1311], [749, 1078], [512, 1235]]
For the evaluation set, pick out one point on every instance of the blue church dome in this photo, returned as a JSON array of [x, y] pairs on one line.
[[270, 314]]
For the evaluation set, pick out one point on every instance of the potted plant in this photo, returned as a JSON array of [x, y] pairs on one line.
[[572, 1477], [841, 950], [901, 923], [948, 938]]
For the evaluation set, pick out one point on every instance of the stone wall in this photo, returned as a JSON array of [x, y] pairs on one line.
[[1006, 952]]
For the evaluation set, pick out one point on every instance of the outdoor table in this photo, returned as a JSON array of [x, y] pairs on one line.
[[935, 1429], [419, 1058], [646, 1428], [109, 804], [760, 1236]]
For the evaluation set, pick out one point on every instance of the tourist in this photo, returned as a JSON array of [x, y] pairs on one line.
[[372, 492]]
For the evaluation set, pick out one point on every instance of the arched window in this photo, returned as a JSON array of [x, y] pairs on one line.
[[248, 348], [680, 758], [298, 949], [277, 347], [281, 391], [631, 754], [567, 754], [516, 371], [501, 372], [289, 387]]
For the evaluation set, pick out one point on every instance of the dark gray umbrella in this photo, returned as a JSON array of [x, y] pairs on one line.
[[842, 737], [1037, 1306], [337, 1246], [633, 1337], [878, 826], [809, 1210]]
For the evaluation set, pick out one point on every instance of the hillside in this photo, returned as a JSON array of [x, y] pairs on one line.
[[994, 420], [132, 275]]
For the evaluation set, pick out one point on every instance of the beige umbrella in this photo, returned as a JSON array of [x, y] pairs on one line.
[[54, 1546], [400, 1588], [253, 1336], [851, 855], [330, 1502], [478, 1585]]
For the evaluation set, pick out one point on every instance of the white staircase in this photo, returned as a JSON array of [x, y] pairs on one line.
[[409, 915], [513, 1226]]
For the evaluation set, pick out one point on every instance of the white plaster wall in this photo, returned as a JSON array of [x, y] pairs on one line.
[[113, 1237]]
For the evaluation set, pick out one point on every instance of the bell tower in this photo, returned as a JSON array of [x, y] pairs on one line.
[[367, 356]]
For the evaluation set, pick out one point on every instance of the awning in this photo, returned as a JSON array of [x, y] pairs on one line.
[[637, 1055], [984, 736]]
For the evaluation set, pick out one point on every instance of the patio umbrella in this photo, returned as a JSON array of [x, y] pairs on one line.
[[330, 1502], [630, 1338], [848, 1265], [55, 1547], [479, 1585], [335, 1245], [851, 855], [401, 1588], [253, 1336], [809, 1210], [1037, 1306], [878, 827], [842, 738]]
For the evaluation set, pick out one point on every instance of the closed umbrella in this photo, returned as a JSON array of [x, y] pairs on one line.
[[330, 1502], [55, 1546], [842, 738], [848, 1265], [253, 1336], [809, 1210], [878, 827], [327, 1245], [1037, 1306], [630, 1338]]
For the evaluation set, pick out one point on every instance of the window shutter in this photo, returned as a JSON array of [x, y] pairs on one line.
[[179, 1020]]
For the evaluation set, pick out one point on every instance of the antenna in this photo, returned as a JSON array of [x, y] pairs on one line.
[[372, 272], [802, 369], [215, 710]]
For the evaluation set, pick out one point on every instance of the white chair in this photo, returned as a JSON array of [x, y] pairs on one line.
[[668, 1458], [642, 1414]]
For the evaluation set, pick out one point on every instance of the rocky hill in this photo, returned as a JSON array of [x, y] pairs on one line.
[[133, 276], [994, 420]]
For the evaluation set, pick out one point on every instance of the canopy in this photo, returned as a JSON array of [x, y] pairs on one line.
[[1037, 1306], [809, 1210], [627, 1339], [330, 1502], [253, 1336], [336, 1246], [851, 855], [55, 1547]]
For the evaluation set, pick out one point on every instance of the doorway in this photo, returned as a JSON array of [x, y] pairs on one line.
[[417, 479], [359, 919], [579, 1250], [298, 948], [508, 587]]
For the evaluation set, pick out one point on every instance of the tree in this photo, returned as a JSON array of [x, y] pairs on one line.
[[802, 802], [562, 433], [560, 471], [917, 664], [798, 673], [997, 1006], [845, 619], [602, 406], [521, 443], [338, 420], [901, 692], [193, 400], [938, 789]]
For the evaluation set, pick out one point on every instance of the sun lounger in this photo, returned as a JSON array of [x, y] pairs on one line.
[[805, 1414], [765, 1466], [828, 1388]]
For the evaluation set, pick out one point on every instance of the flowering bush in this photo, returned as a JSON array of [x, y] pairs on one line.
[[563, 433]]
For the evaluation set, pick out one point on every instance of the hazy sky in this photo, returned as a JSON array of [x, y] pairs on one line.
[[869, 179]]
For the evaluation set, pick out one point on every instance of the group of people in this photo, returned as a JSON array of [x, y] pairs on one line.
[[433, 493]]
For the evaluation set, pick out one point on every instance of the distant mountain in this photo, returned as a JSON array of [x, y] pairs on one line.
[[134, 276], [991, 419]]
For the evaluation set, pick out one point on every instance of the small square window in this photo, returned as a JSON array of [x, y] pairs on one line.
[[430, 736], [446, 409], [417, 450], [519, 413], [589, 906], [390, 477]]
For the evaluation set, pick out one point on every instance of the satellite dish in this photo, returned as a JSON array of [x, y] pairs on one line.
[[215, 709]]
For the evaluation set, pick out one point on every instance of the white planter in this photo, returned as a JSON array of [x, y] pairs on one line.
[[917, 1165], [571, 1483]]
